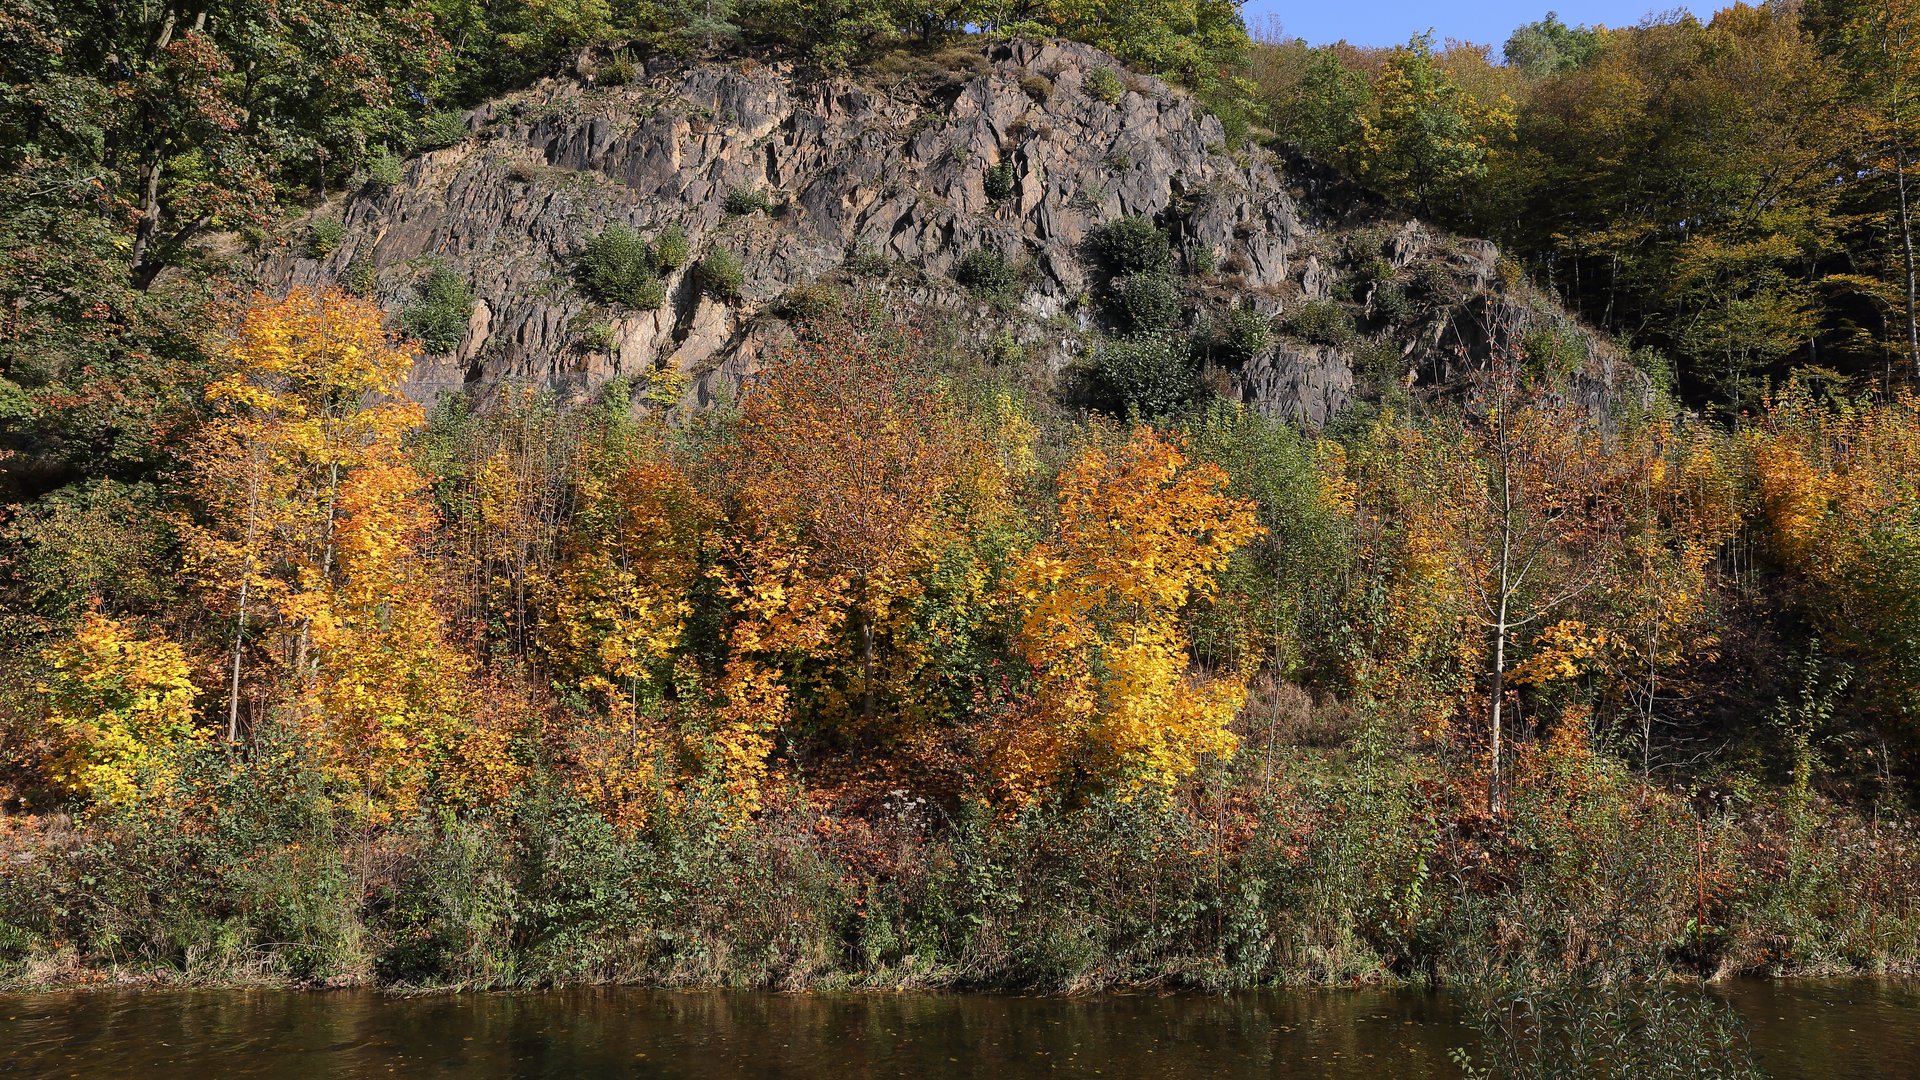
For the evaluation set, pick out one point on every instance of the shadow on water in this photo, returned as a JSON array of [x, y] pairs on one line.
[[1853, 1028]]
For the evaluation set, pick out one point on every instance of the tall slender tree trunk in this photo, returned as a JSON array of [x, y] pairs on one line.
[[303, 650], [1500, 630], [1906, 247], [143, 271], [240, 619], [1647, 709], [1893, 43], [1494, 778], [866, 672]]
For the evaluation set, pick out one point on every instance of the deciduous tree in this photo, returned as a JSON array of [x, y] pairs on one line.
[[1143, 532], [313, 534], [120, 709]]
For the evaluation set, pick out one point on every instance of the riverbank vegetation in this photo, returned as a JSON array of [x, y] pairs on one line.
[[905, 668], [896, 674]]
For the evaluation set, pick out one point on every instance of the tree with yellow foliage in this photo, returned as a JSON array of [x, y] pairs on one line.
[[1682, 506], [613, 629], [1142, 533], [312, 537], [625, 589], [1839, 488], [120, 708], [1407, 645]]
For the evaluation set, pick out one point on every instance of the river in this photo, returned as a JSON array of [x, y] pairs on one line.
[[1841, 1028]]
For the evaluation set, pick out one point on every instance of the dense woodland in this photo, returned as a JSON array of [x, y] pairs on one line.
[[905, 668]]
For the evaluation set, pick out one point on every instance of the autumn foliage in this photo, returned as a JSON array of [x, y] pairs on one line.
[[313, 541], [1142, 533], [871, 575], [907, 638]]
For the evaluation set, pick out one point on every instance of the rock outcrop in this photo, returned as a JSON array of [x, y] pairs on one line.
[[885, 184]]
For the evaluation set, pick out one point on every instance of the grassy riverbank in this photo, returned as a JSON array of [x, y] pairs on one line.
[[1360, 862]]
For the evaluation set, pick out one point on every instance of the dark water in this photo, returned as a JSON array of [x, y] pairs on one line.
[[1852, 1028]]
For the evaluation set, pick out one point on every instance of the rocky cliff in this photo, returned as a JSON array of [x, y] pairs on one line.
[[887, 182]]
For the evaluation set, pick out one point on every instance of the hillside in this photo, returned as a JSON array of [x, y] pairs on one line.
[[866, 497], [888, 183]]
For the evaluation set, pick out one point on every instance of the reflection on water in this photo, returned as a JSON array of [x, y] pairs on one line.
[[1852, 1028]]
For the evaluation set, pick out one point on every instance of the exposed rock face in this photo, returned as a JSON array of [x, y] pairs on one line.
[[875, 184]]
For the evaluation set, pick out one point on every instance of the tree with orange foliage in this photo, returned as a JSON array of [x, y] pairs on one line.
[[1142, 533], [1652, 612], [843, 454], [313, 533]]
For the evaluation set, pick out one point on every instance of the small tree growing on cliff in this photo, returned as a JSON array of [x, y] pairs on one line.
[[618, 267]]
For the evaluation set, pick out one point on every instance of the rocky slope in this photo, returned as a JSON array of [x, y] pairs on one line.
[[887, 182]]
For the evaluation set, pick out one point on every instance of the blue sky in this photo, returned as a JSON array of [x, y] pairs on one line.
[[1391, 22]]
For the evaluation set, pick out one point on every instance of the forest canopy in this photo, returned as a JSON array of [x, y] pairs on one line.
[[1729, 194]]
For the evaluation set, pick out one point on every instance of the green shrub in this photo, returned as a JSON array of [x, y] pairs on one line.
[[1372, 269], [744, 201], [439, 130], [617, 70], [1436, 286], [810, 301], [999, 181], [1244, 334], [1130, 245], [438, 315], [597, 337], [324, 235], [360, 278], [385, 170], [721, 275], [988, 273], [1151, 301], [1379, 366], [573, 880], [1322, 322], [1391, 302], [1146, 375], [1006, 349], [867, 261], [450, 915], [1104, 86], [671, 249], [1555, 351], [618, 267], [279, 867]]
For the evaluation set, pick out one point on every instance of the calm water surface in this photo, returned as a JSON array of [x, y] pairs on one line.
[[1851, 1028]]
